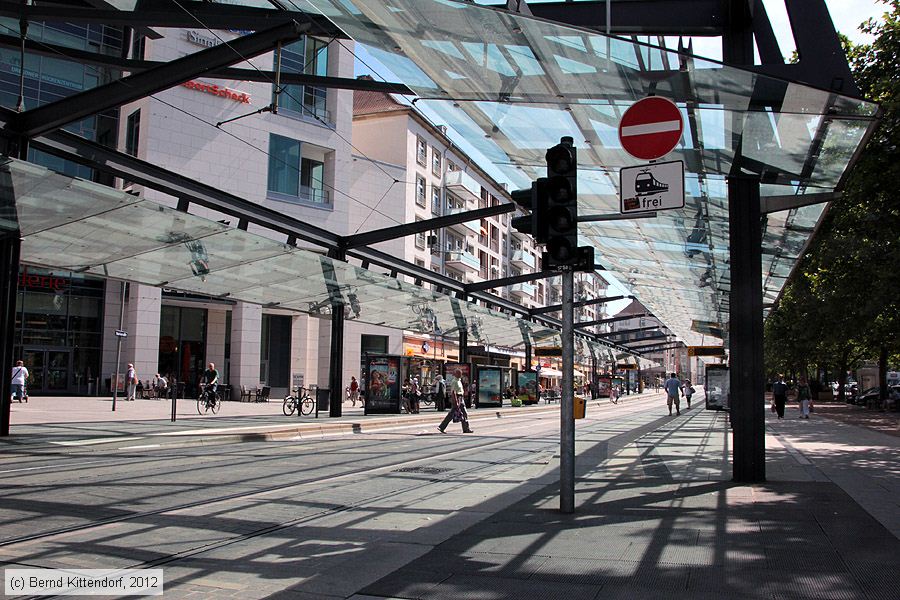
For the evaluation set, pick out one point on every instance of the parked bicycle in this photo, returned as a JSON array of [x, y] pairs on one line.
[[208, 401], [301, 401]]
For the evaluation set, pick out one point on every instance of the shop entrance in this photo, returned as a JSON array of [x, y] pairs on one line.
[[49, 370]]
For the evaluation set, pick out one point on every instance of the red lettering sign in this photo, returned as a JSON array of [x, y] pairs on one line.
[[215, 90], [46, 282]]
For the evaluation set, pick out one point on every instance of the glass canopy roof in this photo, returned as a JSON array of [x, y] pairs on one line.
[[512, 85], [71, 224]]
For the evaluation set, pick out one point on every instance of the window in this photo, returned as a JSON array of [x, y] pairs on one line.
[[433, 241], [420, 237], [421, 151], [451, 166], [312, 181], [420, 190], [292, 178], [307, 56], [436, 161], [436, 199], [138, 46], [132, 133], [420, 262], [284, 165]]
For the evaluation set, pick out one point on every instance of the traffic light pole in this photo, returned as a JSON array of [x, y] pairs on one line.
[[567, 399]]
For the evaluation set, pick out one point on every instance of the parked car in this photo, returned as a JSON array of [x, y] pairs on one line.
[[873, 394], [862, 398]]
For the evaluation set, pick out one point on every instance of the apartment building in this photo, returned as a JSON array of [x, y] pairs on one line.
[[414, 172], [435, 177], [644, 332]]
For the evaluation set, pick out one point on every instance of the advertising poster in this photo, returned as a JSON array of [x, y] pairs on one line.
[[604, 384], [717, 387], [527, 387], [490, 387], [450, 369], [383, 384]]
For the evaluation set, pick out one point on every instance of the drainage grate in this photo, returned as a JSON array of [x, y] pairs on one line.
[[423, 470]]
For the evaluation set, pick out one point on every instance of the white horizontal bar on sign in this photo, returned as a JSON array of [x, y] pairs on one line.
[[648, 128]]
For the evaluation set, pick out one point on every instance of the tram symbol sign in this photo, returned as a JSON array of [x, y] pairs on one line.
[[658, 186], [651, 128]]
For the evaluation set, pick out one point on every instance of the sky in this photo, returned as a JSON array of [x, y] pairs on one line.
[[846, 15]]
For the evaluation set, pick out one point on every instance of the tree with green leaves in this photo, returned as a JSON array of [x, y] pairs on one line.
[[843, 302]]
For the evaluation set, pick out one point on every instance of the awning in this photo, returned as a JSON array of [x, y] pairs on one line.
[[511, 85], [70, 224], [550, 372]]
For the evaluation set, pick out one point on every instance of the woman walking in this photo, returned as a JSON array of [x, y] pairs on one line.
[[803, 397]]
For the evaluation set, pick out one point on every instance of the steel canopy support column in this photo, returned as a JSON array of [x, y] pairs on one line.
[[463, 347], [567, 399], [10, 246], [746, 335], [336, 367], [336, 364]]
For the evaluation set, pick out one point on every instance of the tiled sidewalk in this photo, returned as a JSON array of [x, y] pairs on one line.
[[660, 518]]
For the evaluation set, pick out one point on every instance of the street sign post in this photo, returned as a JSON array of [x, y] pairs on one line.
[[651, 128], [654, 187]]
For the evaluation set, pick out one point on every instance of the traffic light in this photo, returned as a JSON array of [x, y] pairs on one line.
[[535, 200], [553, 202], [563, 252]]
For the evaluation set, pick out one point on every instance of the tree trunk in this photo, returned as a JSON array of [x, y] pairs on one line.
[[842, 376], [882, 373]]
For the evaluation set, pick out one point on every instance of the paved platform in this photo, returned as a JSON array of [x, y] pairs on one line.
[[658, 517]]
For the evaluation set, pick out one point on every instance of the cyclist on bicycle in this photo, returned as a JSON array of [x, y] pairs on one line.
[[211, 379]]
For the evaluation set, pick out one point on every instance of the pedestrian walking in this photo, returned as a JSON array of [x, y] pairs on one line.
[[354, 391], [804, 397], [779, 395], [130, 382], [439, 390], [457, 412], [472, 397], [415, 395], [688, 391], [673, 393], [19, 375]]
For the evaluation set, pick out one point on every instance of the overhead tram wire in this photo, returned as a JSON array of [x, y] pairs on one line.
[[242, 140]]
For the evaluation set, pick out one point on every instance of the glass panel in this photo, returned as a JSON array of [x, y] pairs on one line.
[[284, 165], [57, 371]]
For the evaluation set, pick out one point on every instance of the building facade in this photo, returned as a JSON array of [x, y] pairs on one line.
[[344, 162]]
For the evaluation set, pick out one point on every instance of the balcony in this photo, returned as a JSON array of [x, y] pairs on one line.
[[463, 186], [462, 261], [468, 227], [523, 290], [523, 260]]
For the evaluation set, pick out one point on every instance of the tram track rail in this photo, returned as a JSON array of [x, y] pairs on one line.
[[546, 451], [441, 453]]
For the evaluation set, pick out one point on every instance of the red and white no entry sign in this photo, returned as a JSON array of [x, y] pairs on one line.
[[651, 128]]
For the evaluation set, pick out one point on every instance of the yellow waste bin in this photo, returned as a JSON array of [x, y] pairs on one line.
[[580, 404]]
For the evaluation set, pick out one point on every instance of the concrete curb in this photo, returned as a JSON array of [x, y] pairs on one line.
[[276, 432]]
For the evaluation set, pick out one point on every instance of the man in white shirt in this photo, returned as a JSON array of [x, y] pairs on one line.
[[130, 382], [19, 375]]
